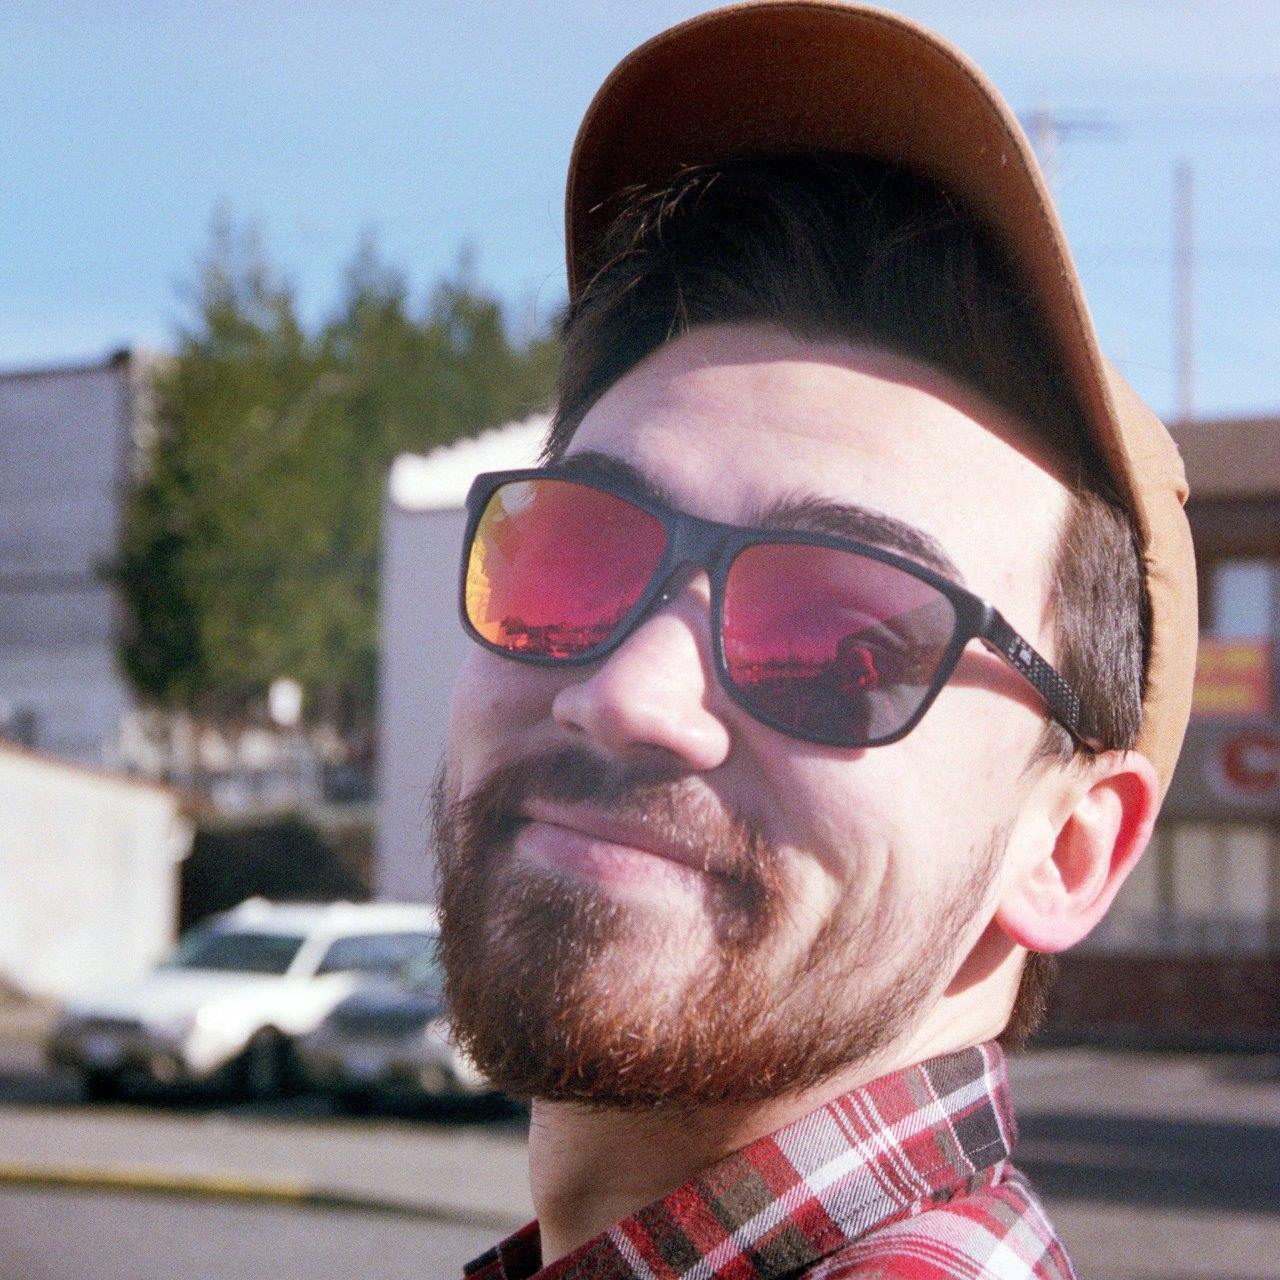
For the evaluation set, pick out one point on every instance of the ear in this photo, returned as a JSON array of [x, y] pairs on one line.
[[1103, 824]]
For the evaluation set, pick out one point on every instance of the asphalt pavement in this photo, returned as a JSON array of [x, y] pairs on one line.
[[1151, 1166], [76, 1235]]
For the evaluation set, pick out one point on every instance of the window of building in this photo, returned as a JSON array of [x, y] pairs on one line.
[[1245, 600]]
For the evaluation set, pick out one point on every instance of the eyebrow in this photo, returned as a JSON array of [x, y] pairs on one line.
[[801, 513]]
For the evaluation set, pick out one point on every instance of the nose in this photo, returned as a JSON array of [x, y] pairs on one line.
[[657, 690]]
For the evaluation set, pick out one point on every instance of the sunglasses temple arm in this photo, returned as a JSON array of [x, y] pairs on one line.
[[1062, 700]]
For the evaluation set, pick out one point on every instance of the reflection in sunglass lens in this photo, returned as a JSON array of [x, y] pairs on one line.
[[830, 644], [555, 566]]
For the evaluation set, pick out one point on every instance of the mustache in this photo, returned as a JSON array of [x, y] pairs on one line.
[[657, 798]]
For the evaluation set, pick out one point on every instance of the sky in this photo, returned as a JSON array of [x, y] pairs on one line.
[[443, 127]]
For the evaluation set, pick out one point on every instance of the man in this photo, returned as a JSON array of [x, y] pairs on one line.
[[828, 675]]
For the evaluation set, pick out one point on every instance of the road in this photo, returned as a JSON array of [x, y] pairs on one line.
[[48, 1235], [1155, 1166], [1151, 1166]]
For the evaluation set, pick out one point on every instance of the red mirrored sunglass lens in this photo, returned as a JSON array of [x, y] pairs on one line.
[[554, 566], [830, 644]]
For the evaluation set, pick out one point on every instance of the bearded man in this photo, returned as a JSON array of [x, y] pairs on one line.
[[828, 674]]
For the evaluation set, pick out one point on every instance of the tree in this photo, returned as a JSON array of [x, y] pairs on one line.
[[250, 546]]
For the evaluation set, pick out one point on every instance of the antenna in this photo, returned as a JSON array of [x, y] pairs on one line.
[[1047, 129]]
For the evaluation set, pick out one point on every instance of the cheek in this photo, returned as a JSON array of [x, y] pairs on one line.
[[496, 705], [884, 829], [981, 732], [838, 832], [958, 783]]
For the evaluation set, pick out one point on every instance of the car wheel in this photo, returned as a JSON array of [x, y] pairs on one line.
[[102, 1086], [264, 1065]]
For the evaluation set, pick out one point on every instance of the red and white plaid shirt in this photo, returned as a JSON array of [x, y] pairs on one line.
[[907, 1177]]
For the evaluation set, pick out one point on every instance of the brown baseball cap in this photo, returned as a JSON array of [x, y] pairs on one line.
[[777, 76]]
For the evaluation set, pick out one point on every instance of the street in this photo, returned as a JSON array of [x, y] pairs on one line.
[[1152, 1166], [54, 1235]]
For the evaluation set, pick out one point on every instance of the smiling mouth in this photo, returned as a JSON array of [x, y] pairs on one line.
[[605, 849]]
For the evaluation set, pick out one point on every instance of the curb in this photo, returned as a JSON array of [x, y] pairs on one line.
[[215, 1185]]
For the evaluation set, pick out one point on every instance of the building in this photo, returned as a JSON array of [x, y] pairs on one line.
[[70, 439], [422, 641], [73, 439], [90, 868], [1191, 947]]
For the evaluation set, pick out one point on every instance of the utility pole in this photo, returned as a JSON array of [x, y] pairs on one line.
[[1183, 292]]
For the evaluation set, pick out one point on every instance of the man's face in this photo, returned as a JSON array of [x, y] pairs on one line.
[[648, 894]]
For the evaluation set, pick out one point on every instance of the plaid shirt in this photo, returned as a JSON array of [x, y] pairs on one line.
[[908, 1177]]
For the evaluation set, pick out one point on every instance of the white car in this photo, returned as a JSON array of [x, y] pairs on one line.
[[239, 989]]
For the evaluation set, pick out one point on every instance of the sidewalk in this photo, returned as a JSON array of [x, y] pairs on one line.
[[1232, 1088], [460, 1171], [450, 1169]]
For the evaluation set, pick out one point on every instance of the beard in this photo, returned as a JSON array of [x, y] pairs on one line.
[[560, 991]]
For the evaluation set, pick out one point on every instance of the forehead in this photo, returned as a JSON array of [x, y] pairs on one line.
[[731, 419]]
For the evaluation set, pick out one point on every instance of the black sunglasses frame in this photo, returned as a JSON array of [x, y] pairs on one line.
[[713, 546]]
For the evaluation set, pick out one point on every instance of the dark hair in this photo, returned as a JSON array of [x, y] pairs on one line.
[[853, 249]]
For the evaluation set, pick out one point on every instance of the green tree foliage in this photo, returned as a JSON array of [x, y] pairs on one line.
[[251, 541]]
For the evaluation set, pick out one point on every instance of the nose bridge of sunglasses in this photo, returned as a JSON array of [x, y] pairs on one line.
[[682, 576], [690, 554], [696, 547]]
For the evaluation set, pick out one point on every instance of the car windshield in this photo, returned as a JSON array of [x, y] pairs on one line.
[[236, 951], [377, 952]]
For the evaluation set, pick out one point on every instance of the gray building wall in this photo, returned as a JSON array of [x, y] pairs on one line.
[[66, 443], [423, 645], [422, 641]]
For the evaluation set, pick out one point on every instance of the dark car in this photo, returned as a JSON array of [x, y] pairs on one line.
[[390, 1040]]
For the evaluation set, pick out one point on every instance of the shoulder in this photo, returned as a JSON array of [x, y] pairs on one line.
[[995, 1226]]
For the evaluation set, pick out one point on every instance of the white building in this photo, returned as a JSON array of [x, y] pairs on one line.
[[422, 639], [89, 874]]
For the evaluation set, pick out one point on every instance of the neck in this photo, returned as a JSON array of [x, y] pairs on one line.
[[591, 1167]]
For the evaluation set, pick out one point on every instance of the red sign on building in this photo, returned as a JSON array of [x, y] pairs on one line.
[[1250, 763], [1233, 678]]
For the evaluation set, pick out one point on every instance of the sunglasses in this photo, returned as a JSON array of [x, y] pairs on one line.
[[826, 639]]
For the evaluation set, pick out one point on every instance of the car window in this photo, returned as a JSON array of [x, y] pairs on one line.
[[377, 952], [423, 973], [236, 951]]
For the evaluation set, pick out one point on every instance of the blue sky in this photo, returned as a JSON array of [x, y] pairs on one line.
[[123, 126]]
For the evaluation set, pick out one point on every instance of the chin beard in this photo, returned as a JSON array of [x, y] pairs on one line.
[[559, 991]]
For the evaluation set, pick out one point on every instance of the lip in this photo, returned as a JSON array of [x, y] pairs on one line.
[[602, 846]]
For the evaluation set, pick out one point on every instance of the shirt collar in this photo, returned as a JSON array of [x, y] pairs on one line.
[[786, 1201]]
